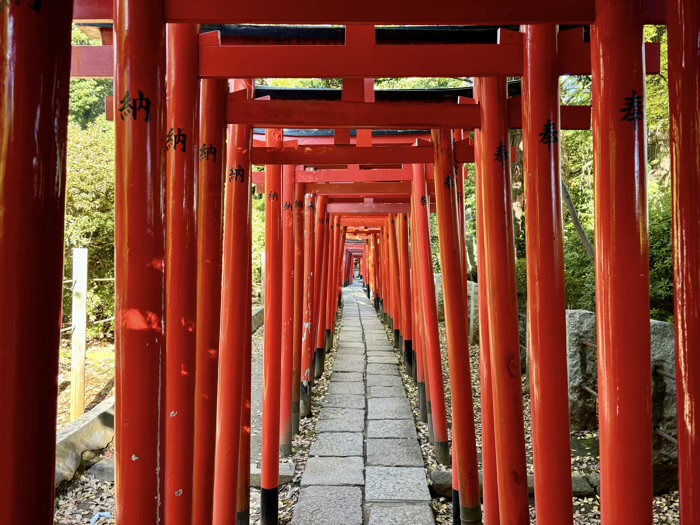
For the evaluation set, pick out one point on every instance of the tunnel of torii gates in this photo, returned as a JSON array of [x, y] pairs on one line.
[[183, 236]]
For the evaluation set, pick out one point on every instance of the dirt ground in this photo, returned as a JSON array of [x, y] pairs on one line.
[[99, 377]]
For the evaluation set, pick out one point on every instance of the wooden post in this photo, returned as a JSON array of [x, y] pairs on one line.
[[79, 321]]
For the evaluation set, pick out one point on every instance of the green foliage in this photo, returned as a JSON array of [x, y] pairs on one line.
[[87, 96], [90, 215], [660, 252]]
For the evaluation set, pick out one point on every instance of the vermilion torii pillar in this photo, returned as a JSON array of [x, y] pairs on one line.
[[210, 225], [407, 318], [269, 485], [488, 445], [298, 300], [622, 263], [321, 237], [34, 82], [235, 329], [139, 85], [418, 344], [287, 363], [684, 87], [321, 338], [180, 266], [457, 322], [436, 395], [546, 292], [394, 275], [499, 256], [308, 346]]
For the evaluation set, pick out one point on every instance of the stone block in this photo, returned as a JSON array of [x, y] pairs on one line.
[[389, 408], [391, 428], [388, 359], [384, 380], [582, 368], [343, 377], [400, 514], [333, 471], [395, 484], [352, 337], [350, 344], [340, 425], [344, 401], [386, 391], [381, 369], [328, 506], [394, 453], [351, 350], [338, 444], [349, 363], [286, 474], [346, 388]]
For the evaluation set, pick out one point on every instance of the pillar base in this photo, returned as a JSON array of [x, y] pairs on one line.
[[456, 508], [422, 403], [376, 303], [295, 418], [305, 400], [319, 362], [442, 453], [269, 506], [431, 432], [415, 365], [408, 357], [328, 344], [397, 339], [468, 516], [243, 517], [285, 450]]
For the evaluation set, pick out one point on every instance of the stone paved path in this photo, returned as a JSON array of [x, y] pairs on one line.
[[365, 466]]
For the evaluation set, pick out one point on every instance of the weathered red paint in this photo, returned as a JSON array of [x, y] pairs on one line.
[[546, 295], [298, 300], [233, 338], [433, 370], [503, 308], [307, 334], [287, 362], [622, 263], [34, 82], [488, 445], [684, 89], [139, 33], [210, 226], [272, 339], [182, 145], [457, 322]]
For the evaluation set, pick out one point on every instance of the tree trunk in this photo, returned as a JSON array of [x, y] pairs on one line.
[[577, 222]]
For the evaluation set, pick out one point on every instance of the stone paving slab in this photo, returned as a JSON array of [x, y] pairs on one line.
[[345, 344], [382, 380], [389, 408], [340, 377], [353, 350], [399, 514], [389, 370], [386, 391], [333, 471], [342, 413], [349, 363], [391, 428], [350, 337], [338, 444], [340, 425], [399, 484], [394, 453], [328, 506], [346, 388], [386, 359], [344, 401]]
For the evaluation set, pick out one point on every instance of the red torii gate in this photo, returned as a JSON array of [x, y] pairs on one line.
[[32, 175]]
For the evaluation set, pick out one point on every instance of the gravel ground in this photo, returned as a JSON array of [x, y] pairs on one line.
[[86, 496], [586, 510]]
